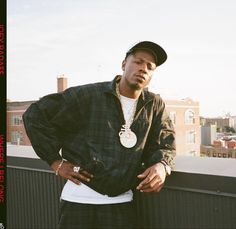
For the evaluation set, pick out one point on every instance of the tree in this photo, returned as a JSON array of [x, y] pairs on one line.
[[229, 129]]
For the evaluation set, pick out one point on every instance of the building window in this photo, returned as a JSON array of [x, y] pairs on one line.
[[189, 117], [16, 120], [191, 136], [172, 115], [16, 137]]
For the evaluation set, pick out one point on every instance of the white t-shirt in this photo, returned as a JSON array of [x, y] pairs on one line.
[[128, 107], [84, 194]]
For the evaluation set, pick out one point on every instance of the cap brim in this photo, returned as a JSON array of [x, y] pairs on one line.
[[156, 50]]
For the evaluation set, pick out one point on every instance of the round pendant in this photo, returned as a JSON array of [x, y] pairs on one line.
[[128, 138]]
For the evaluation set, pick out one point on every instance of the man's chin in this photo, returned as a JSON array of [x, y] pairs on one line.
[[136, 86]]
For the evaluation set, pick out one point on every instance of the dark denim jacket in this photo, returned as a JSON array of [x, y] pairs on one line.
[[84, 122]]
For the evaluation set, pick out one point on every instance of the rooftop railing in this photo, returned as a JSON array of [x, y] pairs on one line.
[[200, 193]]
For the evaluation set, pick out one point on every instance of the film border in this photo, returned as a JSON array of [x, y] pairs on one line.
[[3, 75]]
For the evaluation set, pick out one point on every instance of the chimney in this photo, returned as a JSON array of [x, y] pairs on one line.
[[61, 83]]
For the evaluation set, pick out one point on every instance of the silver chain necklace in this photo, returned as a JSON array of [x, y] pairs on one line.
[[127, 137]]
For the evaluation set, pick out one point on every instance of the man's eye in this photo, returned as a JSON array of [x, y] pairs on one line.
[[150, 67]]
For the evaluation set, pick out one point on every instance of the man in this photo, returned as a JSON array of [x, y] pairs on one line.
[[116, 137]]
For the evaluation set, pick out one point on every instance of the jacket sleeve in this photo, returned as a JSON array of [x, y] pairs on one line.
[[161, 139], [47, 120]]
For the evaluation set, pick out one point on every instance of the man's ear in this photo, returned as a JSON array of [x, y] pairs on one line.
[[123, 64]]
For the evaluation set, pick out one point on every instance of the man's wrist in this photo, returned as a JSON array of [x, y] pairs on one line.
[[56, 165], [167, 168]]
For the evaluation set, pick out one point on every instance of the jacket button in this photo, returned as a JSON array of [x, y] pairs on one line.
[[167, 145]]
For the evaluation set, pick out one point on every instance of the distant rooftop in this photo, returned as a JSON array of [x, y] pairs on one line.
[[19, 105]]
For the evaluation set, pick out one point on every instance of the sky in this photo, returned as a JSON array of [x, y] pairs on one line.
[[86, 40]]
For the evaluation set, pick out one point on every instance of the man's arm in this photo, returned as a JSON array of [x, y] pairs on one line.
[[160, 151], [39, 126], [46, 121]]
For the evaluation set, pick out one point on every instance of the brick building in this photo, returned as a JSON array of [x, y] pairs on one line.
[[185, 116], [15, 130], [213, 151], [220, 122], [224, 147], [16, 133]]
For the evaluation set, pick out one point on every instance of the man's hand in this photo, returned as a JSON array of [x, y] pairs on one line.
[[66, 171], [153, 178]]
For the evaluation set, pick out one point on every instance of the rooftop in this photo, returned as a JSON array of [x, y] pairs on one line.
[[200, 193]]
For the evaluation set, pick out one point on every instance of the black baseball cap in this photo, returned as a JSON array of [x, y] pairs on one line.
[[157, 51]]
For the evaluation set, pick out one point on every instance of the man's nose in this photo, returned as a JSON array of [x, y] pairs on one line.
[[143, 68]]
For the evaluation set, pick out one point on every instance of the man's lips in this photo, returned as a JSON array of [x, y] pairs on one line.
[[140, 77]]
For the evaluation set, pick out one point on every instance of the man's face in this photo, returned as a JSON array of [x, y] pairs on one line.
[[138, 69]]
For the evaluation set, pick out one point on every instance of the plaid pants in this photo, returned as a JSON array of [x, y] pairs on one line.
[[88, 216]]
